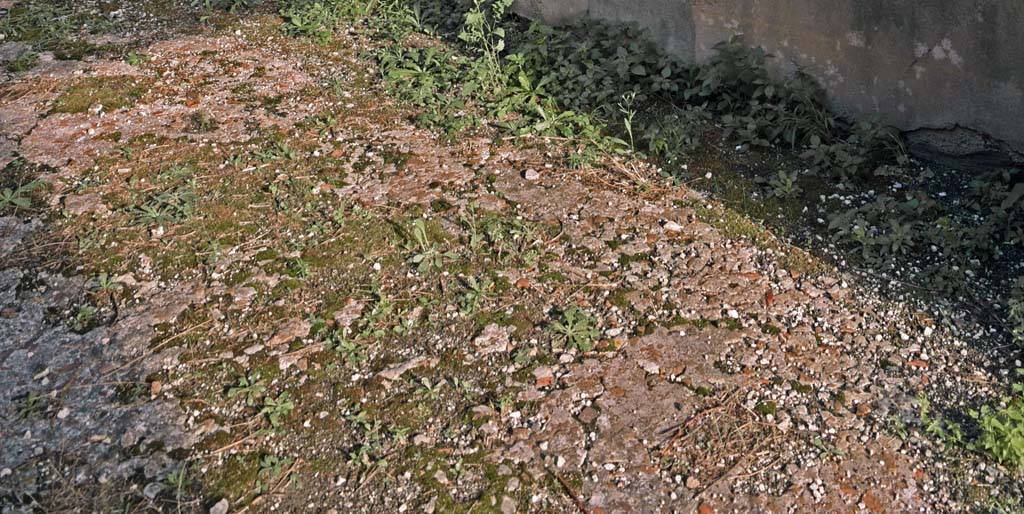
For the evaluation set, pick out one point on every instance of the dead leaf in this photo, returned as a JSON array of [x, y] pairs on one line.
[[872, 502], [395, 372], [289, 331], [863, 410]]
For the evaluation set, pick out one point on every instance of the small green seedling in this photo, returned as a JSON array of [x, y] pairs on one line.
[[105, 284], [136, 59], [18, 197], [784, 184], [426, 254], [271, 467], [31, 405], [348, 348], [577, 329], [474, 293], [946, 431], [248, 387], [276, 409], [358, 417], [430, 390], [84, 318]]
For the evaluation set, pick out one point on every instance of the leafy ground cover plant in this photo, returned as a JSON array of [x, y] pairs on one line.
[[276, 409], [784, 184], [49, 27], [1001, 429], [678, 135], [313, 19], [167, 207], [423, 77]]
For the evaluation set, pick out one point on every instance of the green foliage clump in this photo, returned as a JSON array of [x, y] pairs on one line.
[[46, 24], [474, 293], [249, 388], [276, 409], [1002, 430], [318, 19], [426, 255], [424, 77], [314, 19], [25, 62], [595, 64], [886, 226], [678, 134], [866, 151], [784, 184], [949, 245], [507, 239], [945, 430], [231, 6], [757, 108], [998, 431], [18, 197], [997, 198], [172, 206], [49, 26]]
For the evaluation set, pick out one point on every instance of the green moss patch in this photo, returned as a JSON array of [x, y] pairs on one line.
[[111, 92]]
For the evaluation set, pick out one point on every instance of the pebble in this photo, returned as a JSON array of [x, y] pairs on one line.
[[220, 507], [672, 226], [508, 505]]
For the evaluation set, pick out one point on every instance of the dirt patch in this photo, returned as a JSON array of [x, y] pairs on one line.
[[183, 80]]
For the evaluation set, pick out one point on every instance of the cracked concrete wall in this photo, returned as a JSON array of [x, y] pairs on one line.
[[921, 65]]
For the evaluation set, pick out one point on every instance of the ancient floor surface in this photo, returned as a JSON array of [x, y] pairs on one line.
[[730, 375]]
